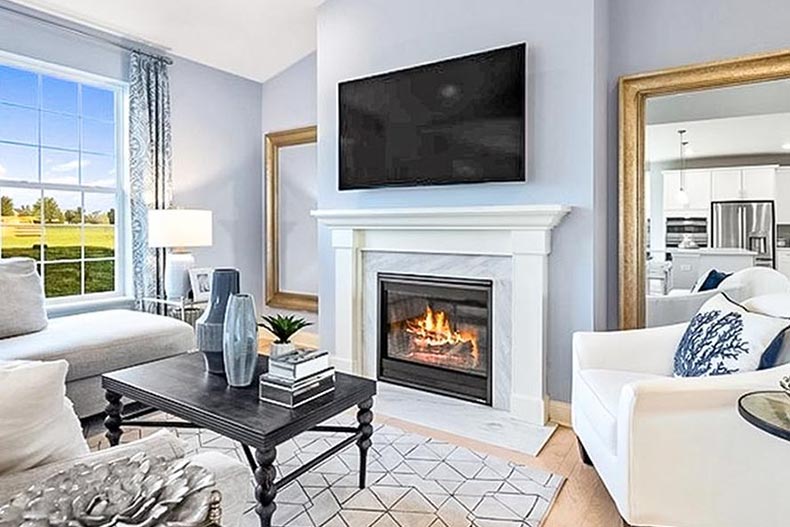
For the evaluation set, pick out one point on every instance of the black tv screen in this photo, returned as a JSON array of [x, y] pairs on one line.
[[451, 122]]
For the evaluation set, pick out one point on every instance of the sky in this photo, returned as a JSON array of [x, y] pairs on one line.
[[58, 111]]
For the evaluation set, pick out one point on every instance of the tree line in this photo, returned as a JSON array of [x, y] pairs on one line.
[[52, 212]]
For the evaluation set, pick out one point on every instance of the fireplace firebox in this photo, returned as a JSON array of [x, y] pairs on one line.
[[434, 333]]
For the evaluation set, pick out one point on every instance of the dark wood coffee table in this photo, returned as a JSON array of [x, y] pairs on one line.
[[180, 386]]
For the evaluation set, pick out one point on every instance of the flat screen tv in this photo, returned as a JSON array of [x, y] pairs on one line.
[[452, 122]]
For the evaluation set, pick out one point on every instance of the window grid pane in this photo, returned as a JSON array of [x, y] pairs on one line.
[[59, 132]]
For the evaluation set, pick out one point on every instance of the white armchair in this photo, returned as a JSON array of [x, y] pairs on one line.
[[674, 452]]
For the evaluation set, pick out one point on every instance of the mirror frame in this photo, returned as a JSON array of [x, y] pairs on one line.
[[634, 90], [275, 296]]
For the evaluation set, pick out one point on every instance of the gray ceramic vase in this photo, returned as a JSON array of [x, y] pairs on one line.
[[224, 283], [240, 341]]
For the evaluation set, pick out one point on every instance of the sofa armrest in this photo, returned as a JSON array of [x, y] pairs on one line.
[[234, 482], [160, 444], [688, 430], [649, 350]]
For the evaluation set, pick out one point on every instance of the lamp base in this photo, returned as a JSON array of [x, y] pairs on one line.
[[177, 269]]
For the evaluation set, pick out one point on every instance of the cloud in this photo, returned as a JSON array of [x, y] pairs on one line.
[[69, 166], [3, 171]]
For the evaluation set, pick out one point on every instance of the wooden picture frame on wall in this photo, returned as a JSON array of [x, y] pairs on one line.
[[275, 296]]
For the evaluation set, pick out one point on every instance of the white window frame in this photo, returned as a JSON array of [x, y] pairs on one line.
[[123, 242]]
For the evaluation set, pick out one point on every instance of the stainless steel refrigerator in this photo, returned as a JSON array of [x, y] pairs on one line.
[[746, 225]]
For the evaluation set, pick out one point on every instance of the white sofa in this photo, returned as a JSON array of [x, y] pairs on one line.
[[232, 478], [680, 305], [673, 452], [99, 342]]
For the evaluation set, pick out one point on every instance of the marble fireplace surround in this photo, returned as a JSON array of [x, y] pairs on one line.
[[508, 244]]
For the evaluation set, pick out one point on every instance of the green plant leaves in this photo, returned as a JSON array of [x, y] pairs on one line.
[[283, 327]]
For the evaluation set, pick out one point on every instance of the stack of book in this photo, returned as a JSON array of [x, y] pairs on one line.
[[297, 378]]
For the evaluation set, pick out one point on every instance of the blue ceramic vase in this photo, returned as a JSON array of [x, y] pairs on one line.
[[240, 341], [224, 283]]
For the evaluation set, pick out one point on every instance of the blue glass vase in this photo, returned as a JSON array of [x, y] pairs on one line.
[[240, 340]]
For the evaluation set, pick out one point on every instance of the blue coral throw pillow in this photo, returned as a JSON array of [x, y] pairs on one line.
[[724, 337]]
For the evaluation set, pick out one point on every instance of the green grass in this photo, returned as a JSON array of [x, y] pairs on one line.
[[63, 242]]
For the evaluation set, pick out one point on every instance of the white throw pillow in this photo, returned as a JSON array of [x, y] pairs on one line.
[[22, 297], [37, 422], [724, 337], [775, 305]]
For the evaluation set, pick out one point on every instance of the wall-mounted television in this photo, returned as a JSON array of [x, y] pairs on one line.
[[457, 121]]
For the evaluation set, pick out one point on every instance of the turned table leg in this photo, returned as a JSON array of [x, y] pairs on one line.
[[113, 420], [364, 418], [265, 490]]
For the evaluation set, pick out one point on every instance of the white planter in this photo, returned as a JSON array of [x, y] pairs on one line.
[[278, 350]]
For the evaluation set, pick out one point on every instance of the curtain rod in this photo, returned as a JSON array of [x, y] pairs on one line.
[[85, 34]]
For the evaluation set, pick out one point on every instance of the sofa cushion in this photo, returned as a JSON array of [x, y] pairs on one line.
[[23, 298], [776, 305], [709, 281], [102, 341], [724, 337], [597, 396], [37, 423]]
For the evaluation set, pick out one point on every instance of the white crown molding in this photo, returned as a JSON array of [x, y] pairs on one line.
[[508, 217]]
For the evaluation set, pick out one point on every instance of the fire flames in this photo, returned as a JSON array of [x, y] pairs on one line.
[[433, 330]]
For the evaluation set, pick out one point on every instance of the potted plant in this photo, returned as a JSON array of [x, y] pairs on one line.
[[283, 327]]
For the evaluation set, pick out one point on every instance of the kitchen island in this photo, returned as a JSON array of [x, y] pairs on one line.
[[689, 264]]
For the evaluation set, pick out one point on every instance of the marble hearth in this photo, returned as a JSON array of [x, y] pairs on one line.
[[508, 245]]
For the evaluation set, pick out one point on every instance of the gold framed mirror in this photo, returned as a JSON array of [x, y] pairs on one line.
[[290, 171], [635, 92]]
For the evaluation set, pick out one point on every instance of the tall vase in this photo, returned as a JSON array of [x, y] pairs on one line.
[[240, 340], [224, 283]]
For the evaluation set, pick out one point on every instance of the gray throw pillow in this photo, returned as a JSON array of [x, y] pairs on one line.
[[22, 295]]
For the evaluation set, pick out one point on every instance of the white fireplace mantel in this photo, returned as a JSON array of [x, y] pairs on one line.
[[522, 233]]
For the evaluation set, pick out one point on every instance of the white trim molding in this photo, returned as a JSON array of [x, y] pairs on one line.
[[522, 233]]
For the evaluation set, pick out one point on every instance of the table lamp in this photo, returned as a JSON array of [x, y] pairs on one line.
[[177, 230]]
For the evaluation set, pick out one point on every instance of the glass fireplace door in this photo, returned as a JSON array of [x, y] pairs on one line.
[[435, 334]]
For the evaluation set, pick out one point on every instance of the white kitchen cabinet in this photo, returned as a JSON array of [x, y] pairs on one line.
[[782, 196], [758, 183], [697, 189], [725, 184], [743, 183], [783, 261]]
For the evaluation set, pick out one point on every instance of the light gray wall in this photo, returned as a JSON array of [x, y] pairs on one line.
[[217, 164], [289, 101], [655, 34], [216, 124], [357, 38]]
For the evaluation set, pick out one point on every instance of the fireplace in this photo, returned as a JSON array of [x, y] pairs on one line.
[[434, 333]]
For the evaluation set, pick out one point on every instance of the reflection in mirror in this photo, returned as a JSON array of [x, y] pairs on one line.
[[717, 197], [298, 230]]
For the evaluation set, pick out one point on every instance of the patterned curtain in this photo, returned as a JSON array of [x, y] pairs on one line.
[[150, 166]]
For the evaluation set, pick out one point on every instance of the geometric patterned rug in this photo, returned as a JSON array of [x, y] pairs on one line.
[[413, 481]]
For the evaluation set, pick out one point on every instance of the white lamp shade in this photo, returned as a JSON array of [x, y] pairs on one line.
[[179, 228]]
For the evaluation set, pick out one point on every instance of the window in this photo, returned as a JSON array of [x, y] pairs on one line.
[[62, 176]]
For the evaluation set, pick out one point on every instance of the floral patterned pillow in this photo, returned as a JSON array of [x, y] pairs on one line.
[[724, 337]]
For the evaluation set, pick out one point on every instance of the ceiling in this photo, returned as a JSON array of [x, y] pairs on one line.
[[255, 39], [731, 136]]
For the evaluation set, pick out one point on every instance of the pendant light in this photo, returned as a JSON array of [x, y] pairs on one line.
[[683, 197]]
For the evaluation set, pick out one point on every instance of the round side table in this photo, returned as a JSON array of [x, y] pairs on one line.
[[768, 410]]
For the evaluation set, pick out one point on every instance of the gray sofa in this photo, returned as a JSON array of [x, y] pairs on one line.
[[100, 342]]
